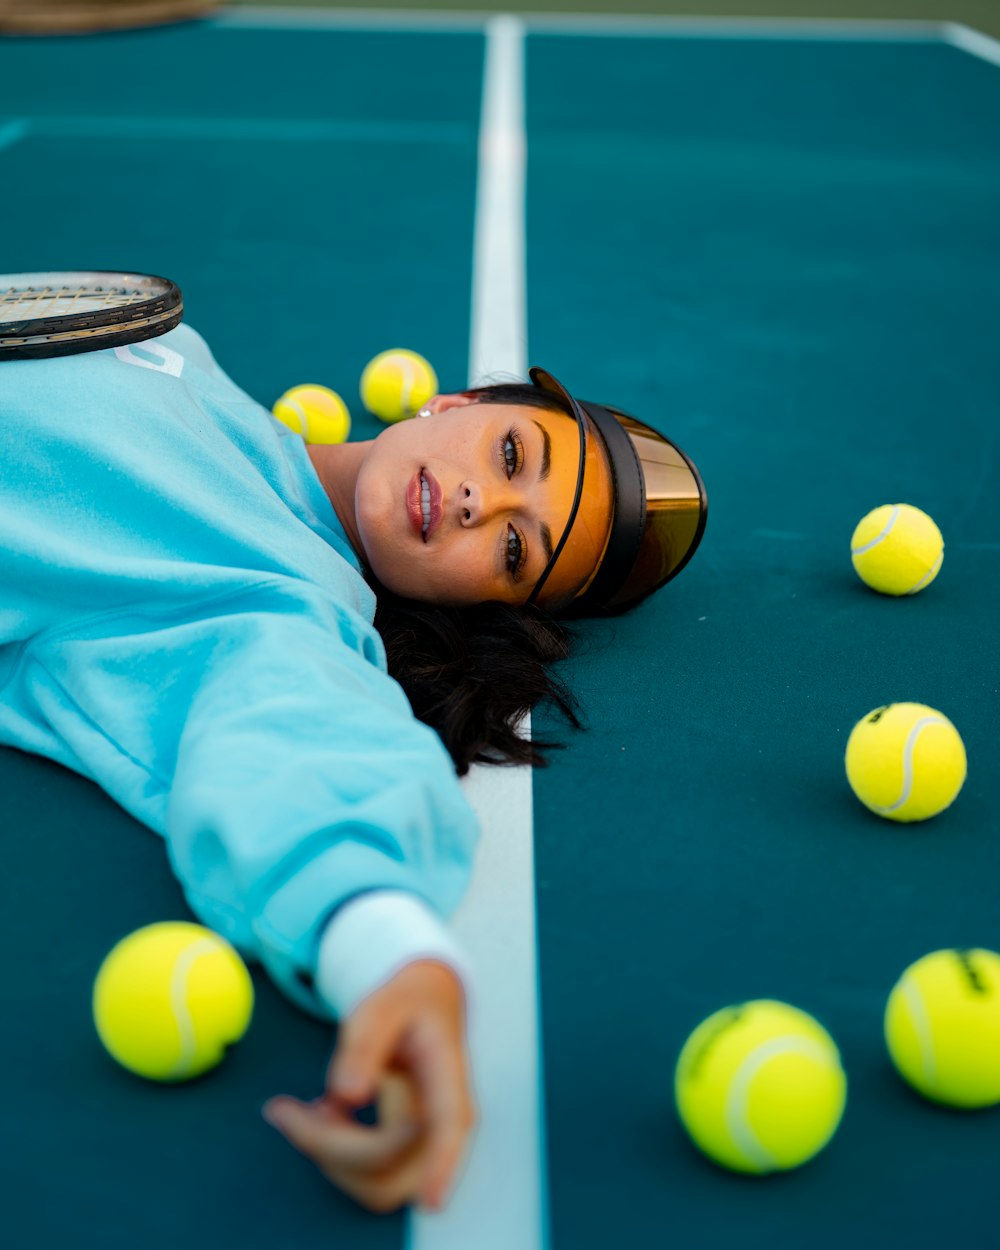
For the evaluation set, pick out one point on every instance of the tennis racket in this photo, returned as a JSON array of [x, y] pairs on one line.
[[60, 314]]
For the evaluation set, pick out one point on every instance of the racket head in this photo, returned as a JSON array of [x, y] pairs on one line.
[[65, 312]]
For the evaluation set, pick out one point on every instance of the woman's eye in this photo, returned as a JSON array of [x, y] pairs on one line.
[[515, 552], [512, 452]]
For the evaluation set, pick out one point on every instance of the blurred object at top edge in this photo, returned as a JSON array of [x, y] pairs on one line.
[[79, 17]]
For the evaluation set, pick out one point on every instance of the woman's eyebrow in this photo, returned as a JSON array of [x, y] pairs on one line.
[[546, 464], [546, 452], [546, 541]]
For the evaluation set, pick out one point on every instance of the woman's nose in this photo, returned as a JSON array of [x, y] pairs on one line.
[[477, 505]]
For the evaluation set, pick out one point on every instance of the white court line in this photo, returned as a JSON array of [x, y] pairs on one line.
[[460, 20], [498, 338], [500, 1201], [973, 42]]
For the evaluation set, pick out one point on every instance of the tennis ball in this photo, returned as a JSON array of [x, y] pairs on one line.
[[897, 549], [905, 761], [315, 412], [169, 999], [942, 1027], [759, 1087], [396, 383]]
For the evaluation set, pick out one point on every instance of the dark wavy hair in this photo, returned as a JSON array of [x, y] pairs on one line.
[[471, 673]]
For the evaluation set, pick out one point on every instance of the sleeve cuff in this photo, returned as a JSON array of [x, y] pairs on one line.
[[372, 938]]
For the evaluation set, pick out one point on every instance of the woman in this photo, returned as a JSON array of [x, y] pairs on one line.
[[186, 615]]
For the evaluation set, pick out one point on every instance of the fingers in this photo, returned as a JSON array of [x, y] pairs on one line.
[[379, 1167], [366, 1044], [440, 1070], [405, 1043], [325, 1133], [385, 1191], [398, 1100]]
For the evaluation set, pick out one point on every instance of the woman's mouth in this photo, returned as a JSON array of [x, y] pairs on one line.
[[423, 503]]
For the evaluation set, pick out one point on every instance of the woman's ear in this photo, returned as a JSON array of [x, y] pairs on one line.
[[441, 403]]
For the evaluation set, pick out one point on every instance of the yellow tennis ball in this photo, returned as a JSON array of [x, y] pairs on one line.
[[897, 549], [759, 1087], [169, 999], [396, 383], [315, 412], [942, 1027], [905, 761]]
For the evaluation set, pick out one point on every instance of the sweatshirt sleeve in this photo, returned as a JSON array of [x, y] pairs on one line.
[[262, 737], [375, 936]]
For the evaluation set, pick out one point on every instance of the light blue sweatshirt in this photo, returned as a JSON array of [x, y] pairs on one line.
[[183, 621]]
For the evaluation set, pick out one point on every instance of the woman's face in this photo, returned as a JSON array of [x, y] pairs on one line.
[[497, 482]]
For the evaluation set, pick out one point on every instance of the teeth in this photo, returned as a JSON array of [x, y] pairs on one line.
[[425, 502]]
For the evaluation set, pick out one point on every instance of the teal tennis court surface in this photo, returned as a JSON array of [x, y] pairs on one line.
[[778, 243]]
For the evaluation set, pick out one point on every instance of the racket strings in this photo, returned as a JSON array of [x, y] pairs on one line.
[[65, 312], [63, 301]]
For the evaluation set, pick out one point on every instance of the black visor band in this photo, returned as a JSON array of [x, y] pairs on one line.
[[629, 498], [629, 519], [581, 423]]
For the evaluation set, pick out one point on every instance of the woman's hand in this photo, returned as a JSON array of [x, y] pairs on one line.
[[405, 1045]]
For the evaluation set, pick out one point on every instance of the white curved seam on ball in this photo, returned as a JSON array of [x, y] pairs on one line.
[[179, 1002], [922, 1025], [908, 750], [860, 551], [739, 1091], [409, 381], [300, 412], [929, 576]]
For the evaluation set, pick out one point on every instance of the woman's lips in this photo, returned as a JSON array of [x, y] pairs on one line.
[[413, 505], [436, 509], [413, 509]]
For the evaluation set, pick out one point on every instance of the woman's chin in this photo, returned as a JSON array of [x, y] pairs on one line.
[[404, 587]]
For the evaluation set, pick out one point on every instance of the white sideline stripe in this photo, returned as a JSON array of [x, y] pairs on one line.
[[499, 1202], [973, 42], [460, 20], [498, 337]]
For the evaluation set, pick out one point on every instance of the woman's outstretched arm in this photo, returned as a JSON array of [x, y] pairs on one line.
[[297, 793]]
